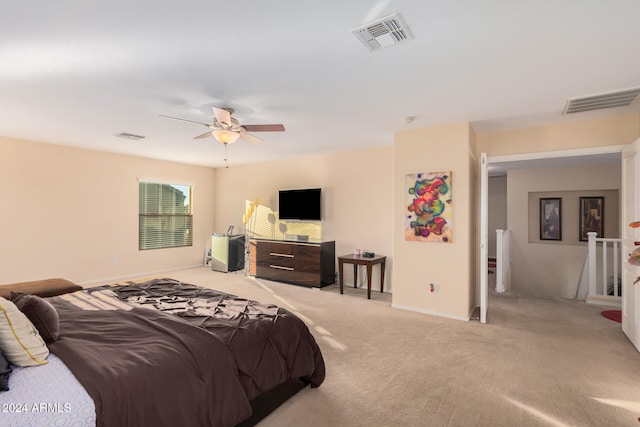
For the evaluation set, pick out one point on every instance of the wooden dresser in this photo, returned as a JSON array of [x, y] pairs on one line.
[[300, 263]]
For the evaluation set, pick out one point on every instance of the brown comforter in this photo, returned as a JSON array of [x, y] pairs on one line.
[[167, 353]]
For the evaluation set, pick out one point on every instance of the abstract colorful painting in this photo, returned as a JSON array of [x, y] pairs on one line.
[[429, 207]]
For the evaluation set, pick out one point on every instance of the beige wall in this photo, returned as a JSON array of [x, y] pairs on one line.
[[450, 266], [551, 269], [618, 130], [73, 213], [357, 188], [473, 221], [497, 210]]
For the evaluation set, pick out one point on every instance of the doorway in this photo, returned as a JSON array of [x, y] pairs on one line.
[[501, 165]]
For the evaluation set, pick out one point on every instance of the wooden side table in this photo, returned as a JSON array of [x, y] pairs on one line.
[[360, 260]]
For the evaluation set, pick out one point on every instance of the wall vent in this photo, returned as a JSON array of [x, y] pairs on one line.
[[132, 136], [621, 98], [384, 32]]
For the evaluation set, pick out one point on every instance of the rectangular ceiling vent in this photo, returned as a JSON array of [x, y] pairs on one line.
[[127, 135], [621, 98], [384, 32]]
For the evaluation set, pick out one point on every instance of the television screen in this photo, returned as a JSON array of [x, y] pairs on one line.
[[299, 204]]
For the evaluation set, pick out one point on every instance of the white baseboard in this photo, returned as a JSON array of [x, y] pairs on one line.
[[607, 300], [433, 313]]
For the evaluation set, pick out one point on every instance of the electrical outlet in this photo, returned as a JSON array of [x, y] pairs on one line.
[[114, 261]]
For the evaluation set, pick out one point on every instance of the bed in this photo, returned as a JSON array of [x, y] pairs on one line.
[[162, 352]]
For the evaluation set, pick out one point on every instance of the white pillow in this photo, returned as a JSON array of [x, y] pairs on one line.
[[19, 339]]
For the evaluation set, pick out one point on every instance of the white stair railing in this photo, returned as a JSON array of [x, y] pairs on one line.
[[503, 261], [599, 288]]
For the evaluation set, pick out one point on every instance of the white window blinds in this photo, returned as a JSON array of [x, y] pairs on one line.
[[165, 219]]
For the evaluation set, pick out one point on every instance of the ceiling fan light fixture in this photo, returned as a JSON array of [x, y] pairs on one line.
[[225, 136]]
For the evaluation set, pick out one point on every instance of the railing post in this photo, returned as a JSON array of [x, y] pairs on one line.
[[506, 260], [615, 269], [605, 272], [591, 247]]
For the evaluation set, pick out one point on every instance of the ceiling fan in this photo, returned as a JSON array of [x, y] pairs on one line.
[[227, 129]]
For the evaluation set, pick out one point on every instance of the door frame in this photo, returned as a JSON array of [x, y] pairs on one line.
[[484, 241], [629, 213], [483, 225]]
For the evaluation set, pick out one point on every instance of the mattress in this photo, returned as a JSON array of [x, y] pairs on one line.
[[47, 395]]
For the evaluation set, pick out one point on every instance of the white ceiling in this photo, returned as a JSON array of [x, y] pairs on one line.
[[76, 73]]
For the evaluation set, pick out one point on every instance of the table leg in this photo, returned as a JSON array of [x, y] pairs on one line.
[[355, 275], [369, 268], [340, 276], [382, 276]]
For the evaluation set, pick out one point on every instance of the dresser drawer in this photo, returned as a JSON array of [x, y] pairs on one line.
[[290, 276], [284, 250], [286, 263], [300, 263], [306, 253]]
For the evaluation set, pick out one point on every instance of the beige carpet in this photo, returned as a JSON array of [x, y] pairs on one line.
[[537, 363]]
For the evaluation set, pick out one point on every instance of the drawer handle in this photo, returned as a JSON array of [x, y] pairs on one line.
[[279, 267], [282, 255]]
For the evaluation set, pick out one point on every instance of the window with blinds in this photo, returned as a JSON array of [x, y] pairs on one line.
[[165, 216]]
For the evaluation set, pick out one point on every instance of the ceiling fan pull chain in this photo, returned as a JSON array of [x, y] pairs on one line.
[[226, 155]]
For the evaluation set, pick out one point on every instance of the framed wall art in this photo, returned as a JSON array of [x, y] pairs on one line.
[[551, 218], [429, 207], [591, 217]]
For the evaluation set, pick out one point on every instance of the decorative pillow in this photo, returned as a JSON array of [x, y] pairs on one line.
[[19, 339], [5, 371], [40, 312], [42, 288]]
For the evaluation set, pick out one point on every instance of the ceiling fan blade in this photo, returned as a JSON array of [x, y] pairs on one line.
[[222, 115], [264, 128], [204, 135], [184, 120], [250, 138]]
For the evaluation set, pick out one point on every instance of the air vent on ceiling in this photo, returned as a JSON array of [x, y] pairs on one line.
[[384, 32], [621, 98], [127, 135]]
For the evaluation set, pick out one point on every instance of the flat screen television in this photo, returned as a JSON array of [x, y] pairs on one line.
[[299, 204]]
